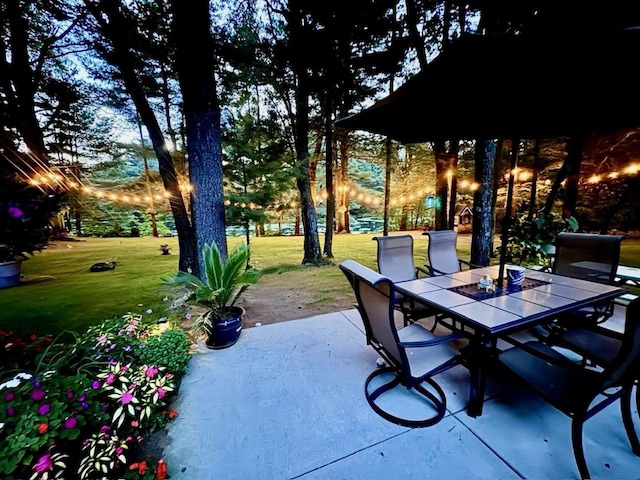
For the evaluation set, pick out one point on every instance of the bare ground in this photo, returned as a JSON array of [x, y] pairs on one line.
[[267, 303]]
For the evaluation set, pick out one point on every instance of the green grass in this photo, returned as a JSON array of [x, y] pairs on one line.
[[61, 293]]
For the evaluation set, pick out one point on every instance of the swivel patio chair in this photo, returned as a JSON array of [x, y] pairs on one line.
[[580, 392], [413, 355], [395, 261], [442, 254]]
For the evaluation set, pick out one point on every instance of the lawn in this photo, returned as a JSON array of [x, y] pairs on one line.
[[61, 293]]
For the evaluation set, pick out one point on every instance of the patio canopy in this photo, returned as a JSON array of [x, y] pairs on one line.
[[515, 87]]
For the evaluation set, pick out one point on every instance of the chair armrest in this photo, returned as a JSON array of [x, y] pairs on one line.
[[434, 271], [424, 271], [434, 341], [544, 352], [469, 264]]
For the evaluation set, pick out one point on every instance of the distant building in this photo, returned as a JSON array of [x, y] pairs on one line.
[[463, 219]]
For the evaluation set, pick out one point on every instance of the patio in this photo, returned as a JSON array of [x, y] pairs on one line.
[[287, 401]]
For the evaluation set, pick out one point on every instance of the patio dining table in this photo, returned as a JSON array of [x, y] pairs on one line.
[[488, 315]]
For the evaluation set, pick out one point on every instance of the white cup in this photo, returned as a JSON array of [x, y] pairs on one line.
[[515, 275]]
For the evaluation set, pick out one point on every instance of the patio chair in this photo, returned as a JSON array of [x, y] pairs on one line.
[[395, 261], [580, 392], [592, 257], [442, 254], [413, 355]]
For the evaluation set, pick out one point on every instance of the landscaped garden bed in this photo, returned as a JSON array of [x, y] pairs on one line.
[[81, 405]]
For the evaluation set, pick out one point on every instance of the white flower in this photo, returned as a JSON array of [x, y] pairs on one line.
[[24, 376], [10, 384]]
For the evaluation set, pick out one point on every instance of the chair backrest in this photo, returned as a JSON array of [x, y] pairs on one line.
[[375, 295], [395, 257], [587, 256], [441, 252]]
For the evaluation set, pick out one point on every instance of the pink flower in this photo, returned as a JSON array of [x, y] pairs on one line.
[[187, 315], [102, 339], [11, 412], [95, 384], [70, 394], [151, 372], [44, 409], [161, 392], [37, 395], [126, 398], [9, 396], [110, 379], [43, 464], [70, 423]]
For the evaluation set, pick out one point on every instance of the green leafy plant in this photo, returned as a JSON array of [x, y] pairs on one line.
[[531, 241], [225, 279], [170, 350]]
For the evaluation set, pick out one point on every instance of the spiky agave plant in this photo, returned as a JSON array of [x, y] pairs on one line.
[[224, 279]]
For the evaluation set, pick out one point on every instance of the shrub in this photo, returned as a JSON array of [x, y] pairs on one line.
[[170, 350]]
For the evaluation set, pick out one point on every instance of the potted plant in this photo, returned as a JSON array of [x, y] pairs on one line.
[[224, 282], [25, 212], [531, 241]]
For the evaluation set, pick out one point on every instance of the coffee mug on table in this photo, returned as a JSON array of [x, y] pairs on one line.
[[515, 275]]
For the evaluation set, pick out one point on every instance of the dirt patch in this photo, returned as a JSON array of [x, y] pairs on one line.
[[266, 304]]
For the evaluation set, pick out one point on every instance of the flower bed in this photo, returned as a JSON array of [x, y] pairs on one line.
[[80, 406]]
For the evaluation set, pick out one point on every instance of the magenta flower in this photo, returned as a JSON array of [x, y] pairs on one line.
[[43, 464], [11, 412], [9, 396], [151, 372], [37, 395], [126, 398], [110, 379], [105, 428], [37, 384], [161, 392], [82, 397], [44, 409], [95, 385], [70, 394], [70, 423], [15, 212], [119, 450]]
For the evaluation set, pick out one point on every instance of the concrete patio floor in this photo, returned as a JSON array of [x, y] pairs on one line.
[[287, 402]]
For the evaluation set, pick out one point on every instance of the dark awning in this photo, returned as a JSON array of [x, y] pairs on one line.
[[515, 87]]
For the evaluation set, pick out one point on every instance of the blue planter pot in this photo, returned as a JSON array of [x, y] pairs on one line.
[[10, 273], [226, 333]]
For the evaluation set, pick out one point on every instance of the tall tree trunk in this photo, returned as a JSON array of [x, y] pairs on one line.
[[388, 167], [481, 233], [494, 192], [442, 186], [343, 194], [331, 197], [22, 85], [114, 29], [454, 183], [568, 166], [312, 253], [191, 29], [574, 157], [533, 203]]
